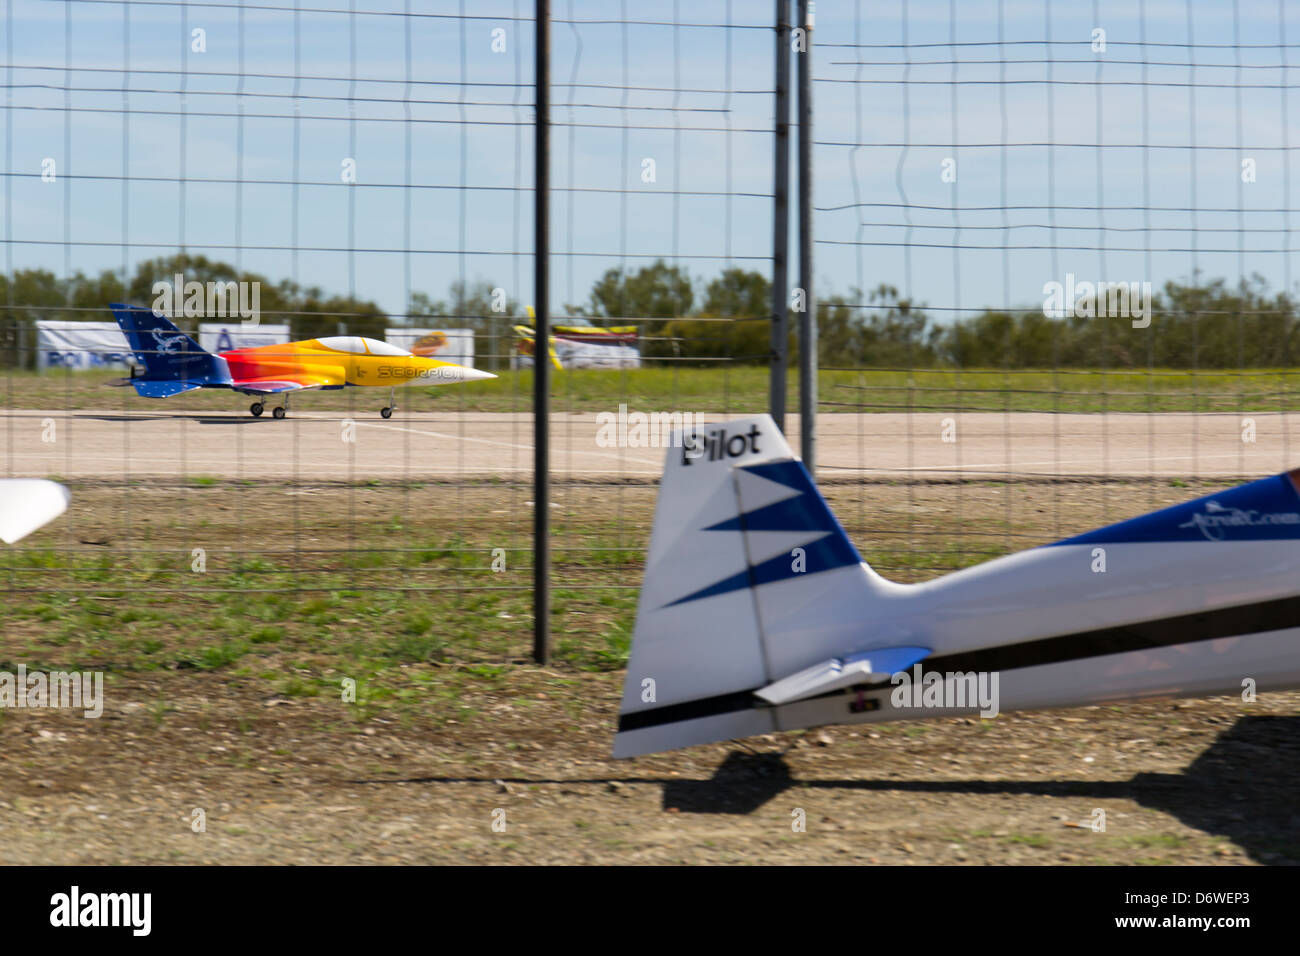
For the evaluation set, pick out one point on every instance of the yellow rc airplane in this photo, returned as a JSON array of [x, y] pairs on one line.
[[174, 363]]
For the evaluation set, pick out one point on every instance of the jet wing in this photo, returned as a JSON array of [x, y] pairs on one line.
[[869, 667], [149, 389], [272, 385]]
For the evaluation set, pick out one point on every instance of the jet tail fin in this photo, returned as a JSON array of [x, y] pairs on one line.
[[745, 557], [173, 361]]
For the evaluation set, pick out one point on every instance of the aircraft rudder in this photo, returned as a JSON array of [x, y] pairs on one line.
[[167, 353], [741, 535]]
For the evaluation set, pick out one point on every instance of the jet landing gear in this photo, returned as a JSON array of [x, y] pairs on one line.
[[257, 408], [387, 411]]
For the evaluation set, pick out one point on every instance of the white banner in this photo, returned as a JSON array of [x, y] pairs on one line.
[[80, 345], [226, 336], [578, 351], [588, 354], [445, 345]]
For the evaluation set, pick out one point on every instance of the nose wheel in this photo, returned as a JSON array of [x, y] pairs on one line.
[[387, 411], [256, 408]]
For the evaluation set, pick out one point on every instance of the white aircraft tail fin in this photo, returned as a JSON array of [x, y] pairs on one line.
[[757, 614], [745, 557]]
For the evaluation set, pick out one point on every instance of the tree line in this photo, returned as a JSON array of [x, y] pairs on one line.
[[31, 294], [1195, 324]]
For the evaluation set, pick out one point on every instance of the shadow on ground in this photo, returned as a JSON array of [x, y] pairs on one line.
[[1242, 787], [201, 418]]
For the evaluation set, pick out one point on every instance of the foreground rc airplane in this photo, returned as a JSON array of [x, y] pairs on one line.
[[757, 614], [174, 363]]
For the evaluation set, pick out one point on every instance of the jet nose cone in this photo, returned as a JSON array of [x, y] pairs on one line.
[[455, 374]]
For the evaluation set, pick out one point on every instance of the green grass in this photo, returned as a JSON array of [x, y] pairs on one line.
[[607, 652], [732, 389], [411, 617], [417, 618], [1154, 841], [1029, 839]]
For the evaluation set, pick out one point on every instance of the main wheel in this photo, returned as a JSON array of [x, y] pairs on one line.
[[386, 412], [278, 411], [257, 409]]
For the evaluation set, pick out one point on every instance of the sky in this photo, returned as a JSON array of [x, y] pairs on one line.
[[150, 136]]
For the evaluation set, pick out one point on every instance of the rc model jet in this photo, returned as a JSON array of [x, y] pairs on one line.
[[174, 363]]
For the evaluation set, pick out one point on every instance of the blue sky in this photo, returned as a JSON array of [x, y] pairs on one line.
[[881, 142]]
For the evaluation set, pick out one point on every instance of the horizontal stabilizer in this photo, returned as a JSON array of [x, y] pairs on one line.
[[869, 667]]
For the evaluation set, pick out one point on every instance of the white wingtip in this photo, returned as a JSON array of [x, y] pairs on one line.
[[28, 503]]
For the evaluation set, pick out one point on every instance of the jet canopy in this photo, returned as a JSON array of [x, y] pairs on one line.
[[360, 345]]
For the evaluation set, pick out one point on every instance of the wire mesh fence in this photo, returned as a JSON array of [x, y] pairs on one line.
[[365, 173], [663, 156], [1068, 227], [1053, 288], [358, 175]]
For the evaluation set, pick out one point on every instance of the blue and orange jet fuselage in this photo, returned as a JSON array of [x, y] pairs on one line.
[[174, 363]]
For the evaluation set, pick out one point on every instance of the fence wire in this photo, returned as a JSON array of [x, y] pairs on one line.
[[1054, 288], [370, 171], [1068, 227]]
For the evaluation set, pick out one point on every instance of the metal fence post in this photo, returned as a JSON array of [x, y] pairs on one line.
[[781, 219], [541, 341], [808, 317]]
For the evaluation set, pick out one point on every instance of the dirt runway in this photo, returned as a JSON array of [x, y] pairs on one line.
[[307, 445]]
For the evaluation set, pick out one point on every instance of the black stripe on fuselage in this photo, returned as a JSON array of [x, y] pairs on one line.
[[1237, 621]]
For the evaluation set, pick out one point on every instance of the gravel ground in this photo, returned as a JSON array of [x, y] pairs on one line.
[[514, 767], [306, 781]]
